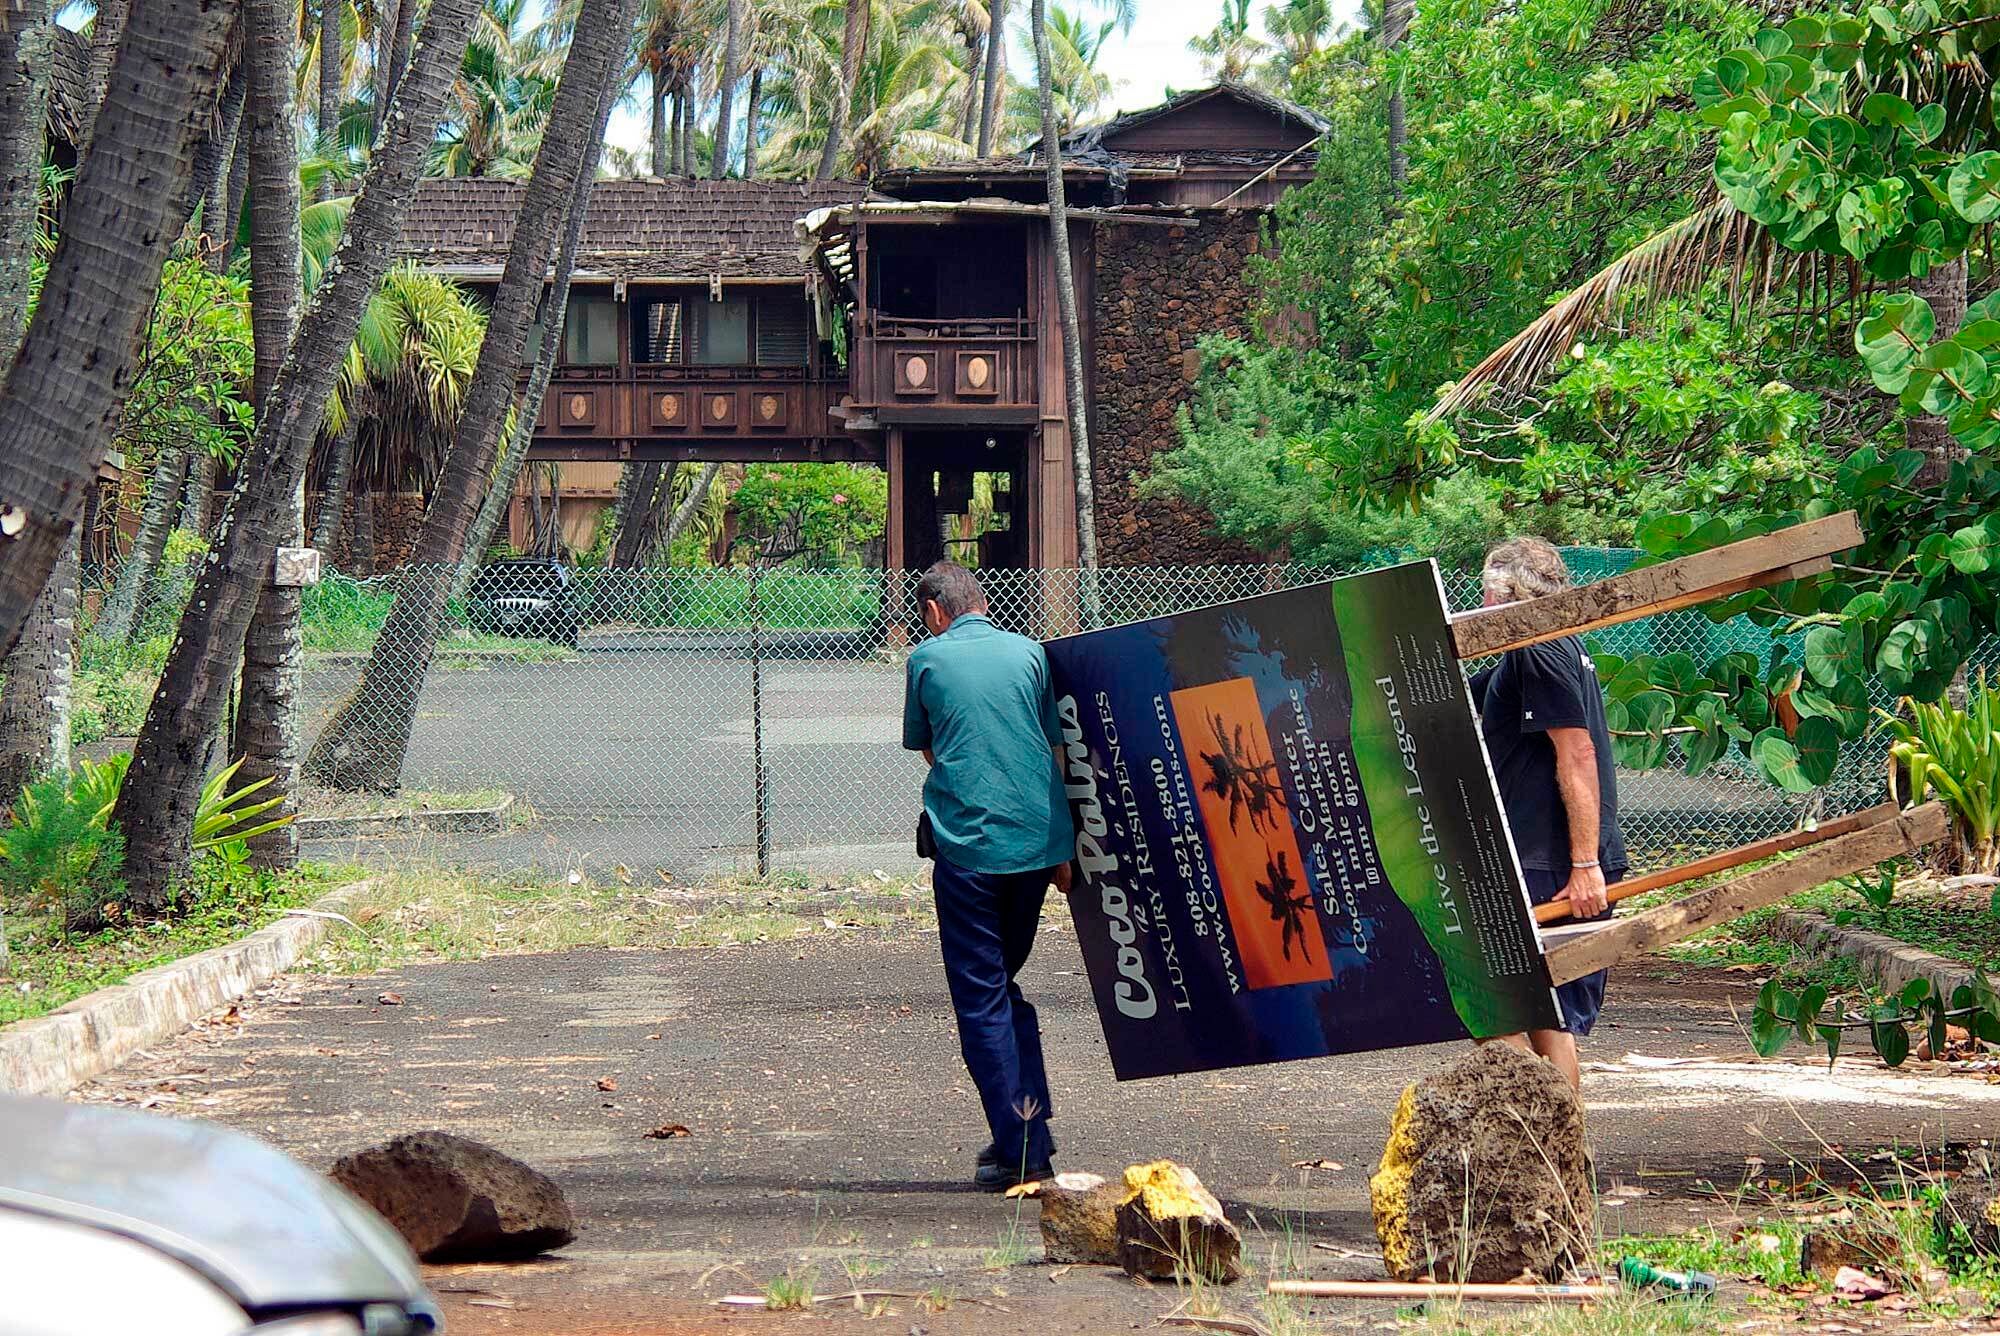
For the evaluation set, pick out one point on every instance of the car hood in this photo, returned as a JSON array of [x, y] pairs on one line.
[[262, 1227]]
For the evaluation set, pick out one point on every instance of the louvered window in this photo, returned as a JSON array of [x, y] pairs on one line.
[[782, 322], [660, 332]]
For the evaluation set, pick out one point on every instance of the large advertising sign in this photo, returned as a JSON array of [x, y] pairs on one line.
[[1288, 840]]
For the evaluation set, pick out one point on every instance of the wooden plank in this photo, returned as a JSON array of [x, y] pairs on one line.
[[1788, 554], [1556, 910], [1396, 1289], [1863, 848]]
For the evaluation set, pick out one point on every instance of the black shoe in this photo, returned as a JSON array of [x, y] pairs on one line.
[[1000, 1177], [990, 1154]]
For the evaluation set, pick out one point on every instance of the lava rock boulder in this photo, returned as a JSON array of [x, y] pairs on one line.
[[456, 1200], [1485, 1176]]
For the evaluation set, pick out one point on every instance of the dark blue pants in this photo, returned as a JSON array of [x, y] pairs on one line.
[[986, 924]]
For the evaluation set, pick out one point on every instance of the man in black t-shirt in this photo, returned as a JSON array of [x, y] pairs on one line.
[[1542, 713]]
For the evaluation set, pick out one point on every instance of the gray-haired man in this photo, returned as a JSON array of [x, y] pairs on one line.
[[1542, 713]]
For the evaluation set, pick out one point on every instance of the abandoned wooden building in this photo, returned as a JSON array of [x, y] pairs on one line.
[[910, 323]]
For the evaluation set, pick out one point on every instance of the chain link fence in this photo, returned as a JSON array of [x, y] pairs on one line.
[[711, 721], [701, 720]]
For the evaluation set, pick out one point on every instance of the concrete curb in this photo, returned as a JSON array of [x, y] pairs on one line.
[[451, 821], [52, 1054], [1880, 957]]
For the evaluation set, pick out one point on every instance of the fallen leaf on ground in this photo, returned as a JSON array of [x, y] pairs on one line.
[[1317, 1164], [668, 1132], [391, 999], [607, 1083]]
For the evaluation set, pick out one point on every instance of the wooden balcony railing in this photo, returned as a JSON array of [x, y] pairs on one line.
[[986, 363], [648, 401]]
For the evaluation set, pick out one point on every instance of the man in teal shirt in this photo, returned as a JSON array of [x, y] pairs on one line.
[[977, 704]]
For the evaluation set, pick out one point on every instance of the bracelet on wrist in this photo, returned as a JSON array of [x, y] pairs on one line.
[[1578, 862]]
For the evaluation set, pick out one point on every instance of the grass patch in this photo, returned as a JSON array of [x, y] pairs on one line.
[[1624, 1315], [319, 803], [49, 967], [1766, 1252], [423, 913]]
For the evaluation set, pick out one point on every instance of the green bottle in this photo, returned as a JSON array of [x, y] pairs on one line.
[[1644, 1275]]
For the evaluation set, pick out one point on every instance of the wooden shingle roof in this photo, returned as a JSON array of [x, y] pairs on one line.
[[69, 84], [634, 229]]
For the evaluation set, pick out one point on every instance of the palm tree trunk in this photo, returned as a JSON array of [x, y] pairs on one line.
[[751, 115], [267, 719], [689, 156], [34, 708], [364, 744], [1944, 287], [232, 203], [156, 814], [332, 78], [378, 74], [663, 144], [690, 505], [975, 88], [208, 185], [399, 45], [26, 34], [198, 494], [996, 76], [1072, 334], [67, 387], [500, 492], [333, 487], [107, 31], [653, 523], [732, 74], [638, 485], [1396, 16], [134, 585], [361, 537], [853, 45]]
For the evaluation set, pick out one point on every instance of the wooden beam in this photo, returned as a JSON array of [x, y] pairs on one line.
[[1788, 554], [1396, 1289], [1556, 910], [1587, 953]]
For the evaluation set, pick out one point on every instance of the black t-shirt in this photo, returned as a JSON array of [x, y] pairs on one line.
[[1530, 691]]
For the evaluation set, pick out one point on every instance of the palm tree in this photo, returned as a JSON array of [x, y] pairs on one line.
[[1229, 51], [157, 816], [400, 392], [904, 113], [267, 725], [1080, 88], [853, 48], [502, 96], [1072, 335], [363, 745], [993, 83], [738, 26], [1391, 24], [63, 394], [1299, 28]]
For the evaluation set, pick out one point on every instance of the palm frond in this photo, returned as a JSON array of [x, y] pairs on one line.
[[1676, 261]]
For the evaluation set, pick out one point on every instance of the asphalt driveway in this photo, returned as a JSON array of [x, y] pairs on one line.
[[832, 1128]]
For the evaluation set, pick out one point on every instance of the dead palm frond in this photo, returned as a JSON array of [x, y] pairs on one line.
[[1679, 260]]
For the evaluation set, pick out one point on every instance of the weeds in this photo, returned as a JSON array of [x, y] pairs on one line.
[[791, 1292]]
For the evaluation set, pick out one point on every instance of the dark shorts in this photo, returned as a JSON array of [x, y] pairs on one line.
[[1581, 998]]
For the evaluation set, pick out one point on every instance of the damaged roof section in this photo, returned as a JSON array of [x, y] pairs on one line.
[[1196, 149], [648, 229]]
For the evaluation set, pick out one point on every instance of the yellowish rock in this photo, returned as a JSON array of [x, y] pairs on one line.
[[1171, 1227]]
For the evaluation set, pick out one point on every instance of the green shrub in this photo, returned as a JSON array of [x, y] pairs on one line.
[[58, 851]]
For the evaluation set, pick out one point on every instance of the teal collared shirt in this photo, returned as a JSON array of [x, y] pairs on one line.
[[978, 698]]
